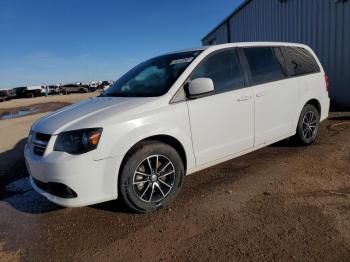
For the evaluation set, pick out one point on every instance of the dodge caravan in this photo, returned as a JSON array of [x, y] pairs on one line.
[[174, 115]]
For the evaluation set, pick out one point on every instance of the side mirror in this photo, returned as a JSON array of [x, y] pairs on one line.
[[199, 87]]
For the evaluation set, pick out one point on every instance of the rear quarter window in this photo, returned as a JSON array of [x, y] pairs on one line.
[[300, 61], [266, 64]]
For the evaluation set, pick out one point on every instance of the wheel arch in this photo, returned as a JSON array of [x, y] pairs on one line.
[[299, 136], [309, 101], [315, 103], [167, 139]]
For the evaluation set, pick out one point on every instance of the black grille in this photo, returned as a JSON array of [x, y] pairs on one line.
[[56, 189], [39, 150], [39, 143]]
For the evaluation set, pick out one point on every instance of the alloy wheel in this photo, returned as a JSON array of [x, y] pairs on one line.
[[154, 178], [309, 125]]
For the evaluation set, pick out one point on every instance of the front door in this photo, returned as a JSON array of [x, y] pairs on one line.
[[222, 123]]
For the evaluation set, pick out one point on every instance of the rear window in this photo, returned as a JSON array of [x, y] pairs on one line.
[[301, 61], [265, 64]]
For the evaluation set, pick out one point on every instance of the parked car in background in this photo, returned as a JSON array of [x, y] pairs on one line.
[[94, 84], [174, 115], [53, 89], [74, 88], [7, 94], [28, 91], [104, 85], [92, 88]]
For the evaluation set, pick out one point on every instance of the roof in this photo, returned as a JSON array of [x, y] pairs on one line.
[[201, 48], [252, 44], [228, 17], [238, 44]]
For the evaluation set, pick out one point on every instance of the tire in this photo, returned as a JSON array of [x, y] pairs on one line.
[[143, 190], [308, 125]]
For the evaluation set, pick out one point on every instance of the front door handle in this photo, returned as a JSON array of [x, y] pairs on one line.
[[244, 98], [261, 94]]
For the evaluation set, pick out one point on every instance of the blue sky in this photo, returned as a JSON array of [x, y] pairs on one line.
[[53, 41]]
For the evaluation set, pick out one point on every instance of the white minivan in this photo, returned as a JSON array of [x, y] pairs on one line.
[[173, 115]]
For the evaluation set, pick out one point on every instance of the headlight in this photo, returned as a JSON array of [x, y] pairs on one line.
[[78, 141]]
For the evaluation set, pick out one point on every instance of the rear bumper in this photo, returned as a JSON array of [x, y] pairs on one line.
[[325, 104], [88, 181]]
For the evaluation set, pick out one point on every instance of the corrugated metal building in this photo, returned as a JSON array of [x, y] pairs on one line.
[[322, 24]]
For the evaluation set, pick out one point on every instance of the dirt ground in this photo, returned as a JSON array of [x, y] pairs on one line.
[[281, 203]]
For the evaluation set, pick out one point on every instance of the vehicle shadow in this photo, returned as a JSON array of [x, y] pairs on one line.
[[289, 142], [15, 188], [12, 165], [114, 206], [21, 196]]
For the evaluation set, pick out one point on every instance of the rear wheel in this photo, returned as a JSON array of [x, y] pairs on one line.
[[151, 176], [308, 125]]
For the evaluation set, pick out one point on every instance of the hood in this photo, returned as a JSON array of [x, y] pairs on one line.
[[88, 113]]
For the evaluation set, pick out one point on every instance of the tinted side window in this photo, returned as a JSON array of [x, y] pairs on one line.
[[301, 61], [223, 68], [265, 64]]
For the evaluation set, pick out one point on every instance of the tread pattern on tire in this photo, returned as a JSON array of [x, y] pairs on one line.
[[299, 136], [125, 179]]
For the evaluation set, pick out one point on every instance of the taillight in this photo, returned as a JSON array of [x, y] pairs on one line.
[[327, 83]]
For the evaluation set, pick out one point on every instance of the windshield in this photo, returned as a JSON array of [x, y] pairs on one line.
[[153, 77]]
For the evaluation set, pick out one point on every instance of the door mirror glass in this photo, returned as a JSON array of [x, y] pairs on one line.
[[200, 86]]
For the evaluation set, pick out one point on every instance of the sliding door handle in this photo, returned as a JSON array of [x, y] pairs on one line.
[[244, 98]]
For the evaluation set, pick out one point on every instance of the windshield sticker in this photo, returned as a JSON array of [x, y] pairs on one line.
[[182, 60]]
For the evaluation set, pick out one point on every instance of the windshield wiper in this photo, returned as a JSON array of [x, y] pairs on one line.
[[120, 94], [117, 94]]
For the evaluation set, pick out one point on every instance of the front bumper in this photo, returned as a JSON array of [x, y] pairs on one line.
[[93, 181]]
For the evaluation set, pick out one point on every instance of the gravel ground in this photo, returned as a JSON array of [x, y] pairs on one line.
[[281, 203]]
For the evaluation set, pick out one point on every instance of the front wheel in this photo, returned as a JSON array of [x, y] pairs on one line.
[[308, 125], [151, 176]]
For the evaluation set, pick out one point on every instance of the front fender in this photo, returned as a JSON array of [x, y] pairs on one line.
[[136, 135], [171, 121]]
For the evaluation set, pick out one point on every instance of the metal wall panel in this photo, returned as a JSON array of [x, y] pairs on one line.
[[322, 24], [220, 35]]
